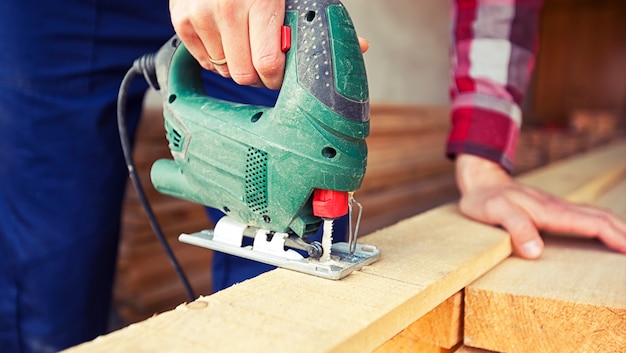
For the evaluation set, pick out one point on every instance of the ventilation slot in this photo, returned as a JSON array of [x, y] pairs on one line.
[[256, 180], [174, 137]]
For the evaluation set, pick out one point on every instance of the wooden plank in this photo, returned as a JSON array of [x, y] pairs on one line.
[[599, 186], [440, 330], [383, 208], [407, 119], [397, 159], [614, 199], [585, 187], [426, 259], [400, 344], [571, 300], [581, 178], [466, 349]]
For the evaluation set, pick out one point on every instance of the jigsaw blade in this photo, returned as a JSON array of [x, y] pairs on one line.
[[327, 239]]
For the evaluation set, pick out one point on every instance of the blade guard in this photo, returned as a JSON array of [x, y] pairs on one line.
[[330, 203]]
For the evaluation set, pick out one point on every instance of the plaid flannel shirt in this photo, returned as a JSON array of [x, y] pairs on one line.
[[494, 45]]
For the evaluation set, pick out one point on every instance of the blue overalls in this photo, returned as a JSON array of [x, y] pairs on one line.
[[62, 174]]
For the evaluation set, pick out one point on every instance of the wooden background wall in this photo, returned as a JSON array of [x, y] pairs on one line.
[[582, 61]]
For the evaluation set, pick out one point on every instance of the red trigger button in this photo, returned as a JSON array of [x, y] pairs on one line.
[[285, 38]]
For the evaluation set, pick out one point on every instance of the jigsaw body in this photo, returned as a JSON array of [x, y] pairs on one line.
[[278, 173]]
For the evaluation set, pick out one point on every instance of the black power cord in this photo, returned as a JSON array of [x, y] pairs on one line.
[[145, 66]]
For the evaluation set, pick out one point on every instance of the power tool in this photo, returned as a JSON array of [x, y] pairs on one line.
[[278, 173]]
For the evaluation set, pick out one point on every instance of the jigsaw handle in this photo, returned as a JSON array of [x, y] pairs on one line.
[[328, 61], [324, 59]]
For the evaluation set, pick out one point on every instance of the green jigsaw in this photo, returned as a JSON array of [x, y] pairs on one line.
[[278, 173]]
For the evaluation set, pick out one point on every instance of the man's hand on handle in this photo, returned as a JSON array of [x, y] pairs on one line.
[[236, 38]]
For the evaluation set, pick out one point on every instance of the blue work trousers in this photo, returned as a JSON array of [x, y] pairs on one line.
[[62, 174]]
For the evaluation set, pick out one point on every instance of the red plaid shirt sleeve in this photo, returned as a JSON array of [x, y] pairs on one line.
[[493, 54]]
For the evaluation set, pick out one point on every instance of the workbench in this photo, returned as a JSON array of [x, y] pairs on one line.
[[444, 283]]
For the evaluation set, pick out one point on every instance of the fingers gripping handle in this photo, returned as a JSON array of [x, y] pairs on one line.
[[323, 58]]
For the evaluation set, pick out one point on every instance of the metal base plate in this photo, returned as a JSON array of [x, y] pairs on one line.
[[339, 266]]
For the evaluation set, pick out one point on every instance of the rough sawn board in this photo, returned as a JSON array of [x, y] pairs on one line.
[[573, 299], [426, 259]]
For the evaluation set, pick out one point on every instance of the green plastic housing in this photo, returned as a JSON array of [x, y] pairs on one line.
[[258, 164]]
